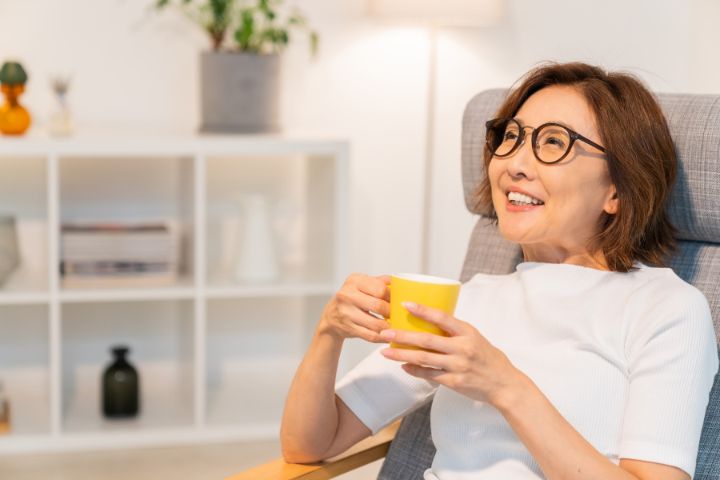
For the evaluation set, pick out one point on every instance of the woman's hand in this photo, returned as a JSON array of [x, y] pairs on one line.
[[347, 314], [464, 361]]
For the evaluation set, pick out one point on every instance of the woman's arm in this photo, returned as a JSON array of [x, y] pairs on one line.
[[316, 423], [467, 363]]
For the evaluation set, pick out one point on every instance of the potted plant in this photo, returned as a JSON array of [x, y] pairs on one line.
[[240, 75]]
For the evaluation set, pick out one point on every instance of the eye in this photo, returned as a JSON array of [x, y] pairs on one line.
[[553, 138], [555, 141], [509, 135]]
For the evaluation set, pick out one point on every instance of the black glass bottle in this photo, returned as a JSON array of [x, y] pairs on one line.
[[120, 386]]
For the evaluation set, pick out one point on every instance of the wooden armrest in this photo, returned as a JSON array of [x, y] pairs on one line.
[[364, 452]]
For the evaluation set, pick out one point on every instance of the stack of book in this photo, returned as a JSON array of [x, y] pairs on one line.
[[118, 255]]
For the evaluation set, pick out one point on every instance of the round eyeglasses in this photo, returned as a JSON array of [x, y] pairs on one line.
[[551, 142]]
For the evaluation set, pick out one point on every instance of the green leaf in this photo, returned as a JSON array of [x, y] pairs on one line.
[[257, 26], [314, 42], [297, 18], [245, 32]]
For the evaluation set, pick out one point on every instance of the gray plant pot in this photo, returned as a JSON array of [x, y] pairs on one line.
[[239, 92]]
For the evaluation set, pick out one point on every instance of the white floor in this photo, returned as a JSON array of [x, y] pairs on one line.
[[206, 462]]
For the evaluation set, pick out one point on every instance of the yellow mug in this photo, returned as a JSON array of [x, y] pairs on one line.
[[435, 292]]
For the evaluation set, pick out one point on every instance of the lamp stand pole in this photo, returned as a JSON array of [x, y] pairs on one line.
[[429, 150]]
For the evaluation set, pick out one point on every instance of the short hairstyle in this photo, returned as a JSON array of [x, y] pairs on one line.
[[640, 157]]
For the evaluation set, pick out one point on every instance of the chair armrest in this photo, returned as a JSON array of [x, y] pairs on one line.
[[364, 452]]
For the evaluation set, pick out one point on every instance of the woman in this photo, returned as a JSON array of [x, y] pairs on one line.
[[585, 362]]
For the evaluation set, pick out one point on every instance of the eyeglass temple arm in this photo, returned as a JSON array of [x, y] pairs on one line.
[[589, 142]]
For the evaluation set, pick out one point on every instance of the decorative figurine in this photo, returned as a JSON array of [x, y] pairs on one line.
[[14, 118]]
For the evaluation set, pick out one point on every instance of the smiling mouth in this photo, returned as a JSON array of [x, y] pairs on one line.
[[520, 199]]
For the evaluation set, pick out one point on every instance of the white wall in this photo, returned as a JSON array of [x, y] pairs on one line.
[[369, 84]]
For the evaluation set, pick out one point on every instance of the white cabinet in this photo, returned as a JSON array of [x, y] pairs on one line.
[[215, 354]]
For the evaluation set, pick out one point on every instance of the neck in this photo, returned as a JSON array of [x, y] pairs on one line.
[[537, 253]]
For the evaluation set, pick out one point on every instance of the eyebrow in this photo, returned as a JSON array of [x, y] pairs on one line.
[[559, 122]]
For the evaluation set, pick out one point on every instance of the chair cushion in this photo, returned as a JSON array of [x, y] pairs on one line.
[[708, 460], [481, 108], [694, 121], [409, 458], [699, 264], [486, 238]]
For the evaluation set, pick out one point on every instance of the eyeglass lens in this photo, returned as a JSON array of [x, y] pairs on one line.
[[550, 142]]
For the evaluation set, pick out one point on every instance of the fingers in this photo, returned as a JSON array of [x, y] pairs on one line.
[[432, 374], [366, 334], [351, 322], [370, 294], [418, 357], [386, 279], [363, 325], [374, 286], [446, 322], [427, 341], [366, 321], [364, 302]]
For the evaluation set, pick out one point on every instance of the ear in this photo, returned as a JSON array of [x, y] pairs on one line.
[[611, 203]]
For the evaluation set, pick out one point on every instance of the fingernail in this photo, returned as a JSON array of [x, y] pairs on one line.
[[409, 305], [387, 334]]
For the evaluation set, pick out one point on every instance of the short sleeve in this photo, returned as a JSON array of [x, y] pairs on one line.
[[672, 360], [379, 391]]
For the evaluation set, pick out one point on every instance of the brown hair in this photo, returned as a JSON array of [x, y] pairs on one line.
[[640, 157]]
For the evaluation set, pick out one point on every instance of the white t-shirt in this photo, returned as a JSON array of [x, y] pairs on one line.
[[628, 359]]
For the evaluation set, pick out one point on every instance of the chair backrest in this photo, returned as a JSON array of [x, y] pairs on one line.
[[695, 211]]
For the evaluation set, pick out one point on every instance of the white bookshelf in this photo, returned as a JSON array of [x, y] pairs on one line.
[[215, 356]]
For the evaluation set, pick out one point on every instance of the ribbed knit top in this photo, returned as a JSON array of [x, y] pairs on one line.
[[628, 359]]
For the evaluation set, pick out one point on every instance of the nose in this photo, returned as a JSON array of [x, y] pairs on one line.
[[522, 161]]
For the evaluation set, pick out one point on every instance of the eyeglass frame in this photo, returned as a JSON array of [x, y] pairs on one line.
[[574, 136]]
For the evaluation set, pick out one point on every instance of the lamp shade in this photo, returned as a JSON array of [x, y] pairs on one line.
[[439, 12]]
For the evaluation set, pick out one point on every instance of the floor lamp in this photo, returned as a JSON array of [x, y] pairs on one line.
[[434, 14]]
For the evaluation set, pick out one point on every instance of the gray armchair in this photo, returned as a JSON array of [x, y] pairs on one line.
[[695, 210]]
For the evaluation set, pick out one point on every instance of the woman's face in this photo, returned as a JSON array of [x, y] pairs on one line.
[[573, 192]]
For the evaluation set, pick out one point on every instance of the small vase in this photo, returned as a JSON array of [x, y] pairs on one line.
[[257, 260], [61, 122], [121, 387], [14, 118]]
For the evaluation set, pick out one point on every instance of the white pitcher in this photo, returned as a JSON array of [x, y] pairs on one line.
[[257, 259]]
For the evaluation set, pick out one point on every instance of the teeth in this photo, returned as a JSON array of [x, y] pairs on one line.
[[521, 198]]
